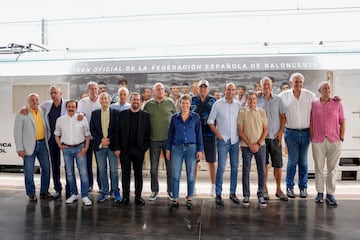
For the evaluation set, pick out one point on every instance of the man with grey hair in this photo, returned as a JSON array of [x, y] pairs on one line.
[[327, 129], [161, 109], [297, 101], [86, 105], [275, 113], [30, 142], [123, 103]]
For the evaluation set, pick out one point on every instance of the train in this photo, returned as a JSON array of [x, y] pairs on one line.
[[23, 72]]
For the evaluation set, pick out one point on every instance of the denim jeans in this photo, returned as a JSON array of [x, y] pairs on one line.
[[103, 156], [71, 153], [260, 158], [155, 148], [179, 153], [42, 154], [233, 150], [297, 143]]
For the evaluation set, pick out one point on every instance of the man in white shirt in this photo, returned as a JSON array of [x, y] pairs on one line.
[[86, 106], [73, 138], [297, 101]]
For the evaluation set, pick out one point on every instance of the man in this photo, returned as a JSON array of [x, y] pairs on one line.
[[275, 113], [185, 88], [297, 101], [102, 128], [73, 138], [53, 109], [102, 87], [284, 86], [175, 95], [123, 103], [122, 83], [252, 127], [29, 136], [327, 129], [87, 105], [145, 94], [160, 109], [132, 139], [224, 113], [202, 104], [216, 94]]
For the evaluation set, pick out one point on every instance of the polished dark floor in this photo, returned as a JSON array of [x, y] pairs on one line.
[[296, 219]]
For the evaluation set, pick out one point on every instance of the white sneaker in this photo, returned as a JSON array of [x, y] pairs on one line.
[[72, 199], [87, 201], [213, 190]]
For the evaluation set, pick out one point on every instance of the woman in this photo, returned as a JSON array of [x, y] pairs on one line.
[[184, 143]]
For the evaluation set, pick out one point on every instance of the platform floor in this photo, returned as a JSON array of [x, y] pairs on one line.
[[295, 219]]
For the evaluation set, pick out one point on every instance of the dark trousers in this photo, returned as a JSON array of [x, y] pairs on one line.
[[135, 157], [89, 159], [55, 165]]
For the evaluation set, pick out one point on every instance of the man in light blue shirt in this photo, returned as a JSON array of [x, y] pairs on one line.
[[223, 122], [123, 103]]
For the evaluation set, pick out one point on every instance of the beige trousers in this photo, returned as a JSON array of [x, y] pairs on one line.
[[326, 152]]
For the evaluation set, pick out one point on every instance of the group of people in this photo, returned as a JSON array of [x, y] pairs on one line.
[[182, 129]]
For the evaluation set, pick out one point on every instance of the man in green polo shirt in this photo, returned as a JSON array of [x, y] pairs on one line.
[[161, 110]]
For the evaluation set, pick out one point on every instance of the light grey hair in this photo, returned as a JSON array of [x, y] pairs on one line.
[[125, 89], [295, 75], [91, 83], [32, 94], [107, 94], [322, 83], [156, 84], [56, 87], [262, 81]]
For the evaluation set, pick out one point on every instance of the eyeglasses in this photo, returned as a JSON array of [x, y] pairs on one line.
[[53, 93]]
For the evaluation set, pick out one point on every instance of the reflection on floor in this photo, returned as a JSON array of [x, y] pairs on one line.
[[296, 219]]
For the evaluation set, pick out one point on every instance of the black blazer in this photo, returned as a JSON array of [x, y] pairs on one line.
[[96, 129], [122, 131]]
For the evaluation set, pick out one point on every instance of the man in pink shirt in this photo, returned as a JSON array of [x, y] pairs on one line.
[[327, 128]]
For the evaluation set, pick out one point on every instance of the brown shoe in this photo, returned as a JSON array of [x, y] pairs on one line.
[[33, 199], [281, 196], [46, 196]]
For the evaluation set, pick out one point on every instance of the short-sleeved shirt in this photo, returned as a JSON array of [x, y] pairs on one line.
[[71, 131], [297, 110], [274, 108], [203, 108], [87, 106], [253, 121], [326, 119], [225, 114], [160, 117]]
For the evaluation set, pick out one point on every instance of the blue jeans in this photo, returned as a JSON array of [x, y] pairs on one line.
[[42, 154], [71, 153], [103, 156], [179, 153], [233, 150], [297, 143], [260, 158]]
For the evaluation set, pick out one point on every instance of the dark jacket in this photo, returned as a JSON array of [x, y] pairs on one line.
[[96, 129], [123, 132]]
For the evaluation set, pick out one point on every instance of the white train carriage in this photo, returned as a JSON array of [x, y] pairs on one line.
[[24, 72]]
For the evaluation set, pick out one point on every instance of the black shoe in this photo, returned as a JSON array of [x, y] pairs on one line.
[[67, 195], [140, 201], [174, 205], [33, 199], [189, 204], [234, 198], [125, 201], [46, 196], [219, 200]]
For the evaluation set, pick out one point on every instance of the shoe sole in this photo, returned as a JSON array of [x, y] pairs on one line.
[[331, 203], [245, 204], [319, 201]]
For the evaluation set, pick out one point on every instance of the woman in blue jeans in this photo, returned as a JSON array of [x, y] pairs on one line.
[[184, 143]]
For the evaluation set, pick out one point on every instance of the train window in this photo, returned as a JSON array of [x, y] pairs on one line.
[[21, 91]]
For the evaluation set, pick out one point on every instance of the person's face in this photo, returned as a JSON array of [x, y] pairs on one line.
[[257, 87], [267, 86], [135, 102], [185, 89], [147, 94], [104, 101], [297, 83], [34, 102], [93, 91], [240, 90], [185, 105], [217, 95], [284, 87], [195, 88], [229, 91], [102, 88], [203, 90], [123, 96], [175, 91], [159, 91], [55, 94], [71, 108], [325, 91], [251, 101]]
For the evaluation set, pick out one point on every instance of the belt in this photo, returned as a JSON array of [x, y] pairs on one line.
[[40, 140], [298, 129], [75, 145]]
